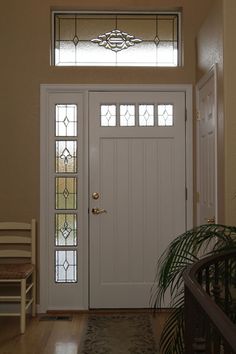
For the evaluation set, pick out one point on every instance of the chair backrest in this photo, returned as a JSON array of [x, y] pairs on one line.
[[18, 240]]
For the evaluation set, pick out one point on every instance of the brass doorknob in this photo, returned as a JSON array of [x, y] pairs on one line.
[[211, 221], [97, 211]]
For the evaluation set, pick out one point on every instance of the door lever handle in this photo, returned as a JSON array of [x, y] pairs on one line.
[[97, 211], [211, 221]]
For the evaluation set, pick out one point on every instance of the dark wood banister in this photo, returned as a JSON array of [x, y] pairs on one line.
[[218, 318]]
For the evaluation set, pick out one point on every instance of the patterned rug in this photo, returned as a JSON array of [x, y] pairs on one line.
[[119, 334]]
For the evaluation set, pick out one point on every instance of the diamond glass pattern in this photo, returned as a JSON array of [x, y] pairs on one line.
[[66, 266], [66, 193], [66, 120], [108, 115], [66, 156], [165, 115], [146, 115], [127, 115], [65, 229], [116, 39]]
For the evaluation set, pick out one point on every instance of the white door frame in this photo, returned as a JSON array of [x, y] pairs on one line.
[[45, 91], [211, 73]]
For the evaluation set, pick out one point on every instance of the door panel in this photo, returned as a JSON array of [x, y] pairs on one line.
[[207, 152], [139, 173]]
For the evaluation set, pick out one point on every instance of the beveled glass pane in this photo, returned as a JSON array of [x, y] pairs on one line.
[[166, 28], [146, 115], [144, 53], [116, 39], [167, 54], [66, 266], [89, 54], [65, 229], [66, 156], [65, 53], [127, 115], [165, 115], [143, 27], [108, 115], [66, 120], [66, 193]]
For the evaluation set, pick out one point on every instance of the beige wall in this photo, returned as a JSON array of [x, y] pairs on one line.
[[216, 43], [209, 52], [25, 64], [230, 115]]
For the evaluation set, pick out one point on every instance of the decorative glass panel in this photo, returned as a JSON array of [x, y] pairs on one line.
[[127, 115], [165, 115], [65, 229], [66, 156], [116, 39], [66, 193], [66, 120], [146, 115], [108, 115], [66, 266]]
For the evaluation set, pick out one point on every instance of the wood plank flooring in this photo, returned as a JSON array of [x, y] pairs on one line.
[[50, 337]]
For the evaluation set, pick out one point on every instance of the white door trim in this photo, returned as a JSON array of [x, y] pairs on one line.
[[45, 91], [213, 72]]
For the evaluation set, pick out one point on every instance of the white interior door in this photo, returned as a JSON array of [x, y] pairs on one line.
[[138, 172], [207, 157]]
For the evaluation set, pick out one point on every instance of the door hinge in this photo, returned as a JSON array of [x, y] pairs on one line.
[[198, 115], [198, 197], [186, 193], [186, 115]]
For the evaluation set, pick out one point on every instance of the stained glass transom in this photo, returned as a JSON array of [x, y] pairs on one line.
[[165, 115], [66, 120], [146, 115], [108, 115], [127, 115], [116, 39], [65, 229], [66, 193], [66, 266]]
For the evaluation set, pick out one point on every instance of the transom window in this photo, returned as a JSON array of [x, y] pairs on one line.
[[88, 39]]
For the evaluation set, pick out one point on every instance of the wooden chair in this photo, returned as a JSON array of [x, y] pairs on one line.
[[17, 268]]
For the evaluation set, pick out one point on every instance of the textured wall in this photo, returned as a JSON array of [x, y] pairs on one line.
[[25, 64], [230, 116]]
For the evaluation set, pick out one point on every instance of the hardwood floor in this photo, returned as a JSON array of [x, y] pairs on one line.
[[50, 337]]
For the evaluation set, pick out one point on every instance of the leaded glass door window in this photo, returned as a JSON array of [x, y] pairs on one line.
[[130, 39]]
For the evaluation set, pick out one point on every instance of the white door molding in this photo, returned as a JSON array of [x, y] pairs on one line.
[[211, 74], [45, 92]]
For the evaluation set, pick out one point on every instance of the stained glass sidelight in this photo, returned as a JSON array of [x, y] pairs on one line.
[[127, 115], [146, 115], [116, 39], [165, 115], [66, 193], [65, 229], [66, 120], [66, 266], [66, 156], [108, 115]]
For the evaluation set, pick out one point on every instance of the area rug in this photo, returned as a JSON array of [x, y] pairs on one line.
[[119, 334]]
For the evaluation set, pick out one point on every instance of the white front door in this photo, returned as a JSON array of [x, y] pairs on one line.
[[206, 142], [137, 191], [124, 152]]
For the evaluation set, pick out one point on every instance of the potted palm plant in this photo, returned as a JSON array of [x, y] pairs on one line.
[[186, 249]]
